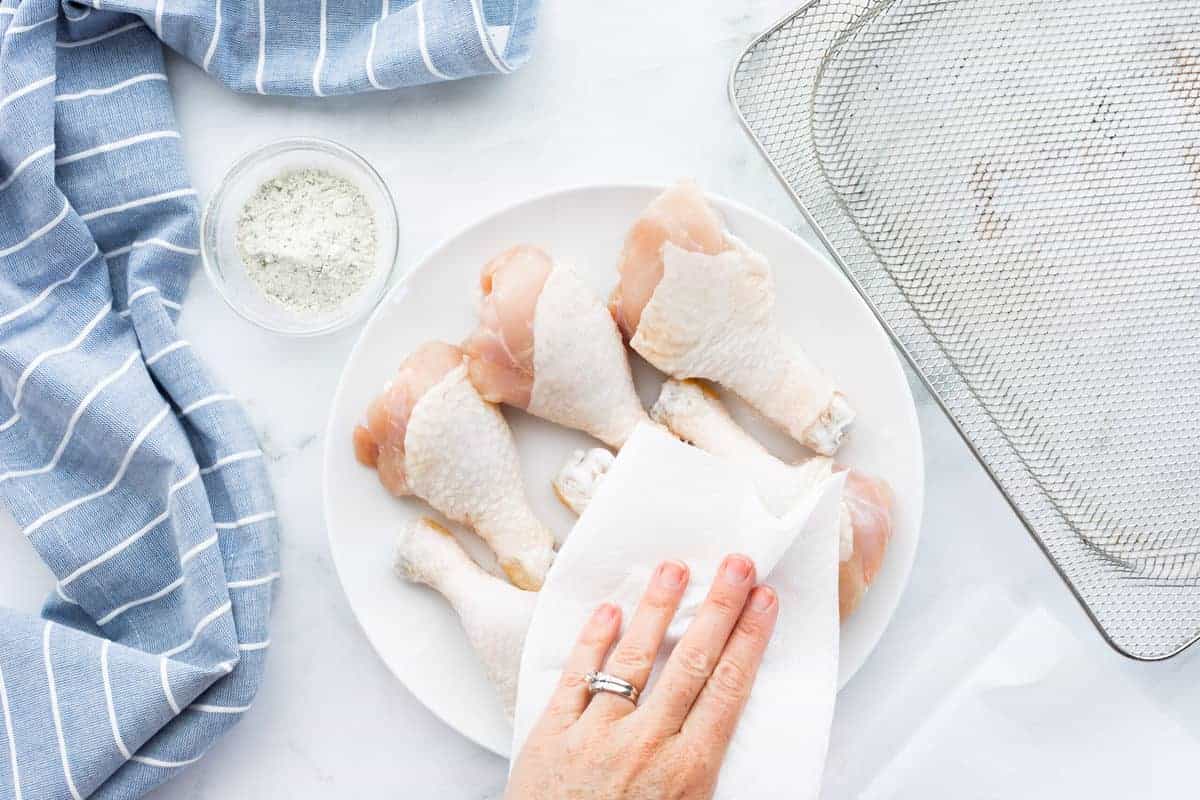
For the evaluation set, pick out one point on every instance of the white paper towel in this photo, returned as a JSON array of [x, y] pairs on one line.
[[662, 500]]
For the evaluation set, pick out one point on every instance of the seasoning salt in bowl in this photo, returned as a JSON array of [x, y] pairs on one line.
[[301, 237]]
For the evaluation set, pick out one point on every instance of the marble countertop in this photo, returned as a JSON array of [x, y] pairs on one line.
[[620, 91]]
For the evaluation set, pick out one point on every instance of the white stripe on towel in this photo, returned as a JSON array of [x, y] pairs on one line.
[[171, 348], [244, 521], [87, 12], [320, 62], [58, 726], [155, 762], [39, 233], [423, 44], [219, 709], [32, 304], [230, 459], [78, 501], [116, 87], [374, 81], [147, 290], [63, 595], [108, 701], [251, 582], [166, 684], [141, 201], [12, 743], [19, 168], [41, 357], [66, 437], [198, 549], [262, 46], [150, 598], [158, 15], [205, 401], [485, 39], [119, 144], [142, 292], [212, 45], [208, 619], [246, 647], [101, 37], [149, 526], [24, 90], [163, 243], [29, 27]]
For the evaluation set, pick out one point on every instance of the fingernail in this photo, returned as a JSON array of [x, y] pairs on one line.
[[607, 612], [762, 598], [671, 574], [737, 569]]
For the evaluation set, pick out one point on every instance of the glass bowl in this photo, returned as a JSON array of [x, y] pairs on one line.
[[219, 230]]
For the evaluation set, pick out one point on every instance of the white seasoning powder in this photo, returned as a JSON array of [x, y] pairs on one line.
[[307, 238]]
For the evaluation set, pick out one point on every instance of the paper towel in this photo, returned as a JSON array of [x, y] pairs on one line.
[[663, 499]]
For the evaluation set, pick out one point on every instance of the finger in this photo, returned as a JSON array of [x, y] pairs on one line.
[[634, 655], [571, 696], [715, 713], [694, 658]]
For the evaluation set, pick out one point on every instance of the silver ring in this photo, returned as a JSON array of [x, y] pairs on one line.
[[603, 682]]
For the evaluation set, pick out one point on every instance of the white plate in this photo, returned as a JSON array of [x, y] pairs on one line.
[[414, 630]]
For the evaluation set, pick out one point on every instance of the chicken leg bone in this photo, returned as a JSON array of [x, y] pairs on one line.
[[577, 481], [495, 615]]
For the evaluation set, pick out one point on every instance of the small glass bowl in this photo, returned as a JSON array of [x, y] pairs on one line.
[[219, 233]]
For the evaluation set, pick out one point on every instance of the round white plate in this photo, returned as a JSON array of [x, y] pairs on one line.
[[414, 630]]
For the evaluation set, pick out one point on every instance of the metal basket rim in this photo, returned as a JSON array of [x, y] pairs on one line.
[[833, 253]]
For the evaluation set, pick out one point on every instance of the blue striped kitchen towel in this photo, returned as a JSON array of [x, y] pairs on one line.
[[137, 480]]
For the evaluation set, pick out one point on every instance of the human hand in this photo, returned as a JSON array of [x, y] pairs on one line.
[[671, 744]]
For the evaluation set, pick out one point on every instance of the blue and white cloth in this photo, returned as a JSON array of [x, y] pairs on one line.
[[138, 481]]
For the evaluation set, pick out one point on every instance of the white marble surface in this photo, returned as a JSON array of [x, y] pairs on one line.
[[617, 91]]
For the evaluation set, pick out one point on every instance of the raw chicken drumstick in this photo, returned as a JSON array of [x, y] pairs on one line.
[[494, 614], [697, 303], [430, 434], [546, 344], [694, 414]]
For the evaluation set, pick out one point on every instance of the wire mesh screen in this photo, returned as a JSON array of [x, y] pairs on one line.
[[1014, 186]]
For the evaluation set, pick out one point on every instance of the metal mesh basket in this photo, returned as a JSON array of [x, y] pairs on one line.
[[1014, 187]]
